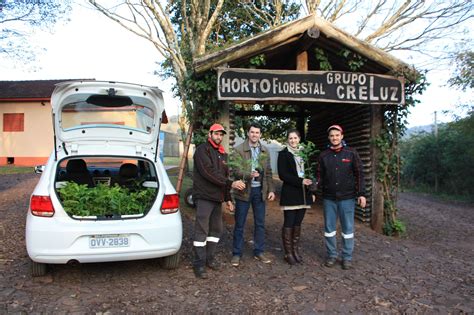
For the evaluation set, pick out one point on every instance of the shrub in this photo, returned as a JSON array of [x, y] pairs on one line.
[[102, 200]]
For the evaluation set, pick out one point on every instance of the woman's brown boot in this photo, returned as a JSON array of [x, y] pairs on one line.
[[296, 244], [287, 236]]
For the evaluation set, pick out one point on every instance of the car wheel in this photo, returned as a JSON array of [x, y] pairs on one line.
[[38, 269], [170, 262], [188, 198]]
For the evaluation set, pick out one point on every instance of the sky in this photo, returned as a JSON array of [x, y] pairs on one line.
[[90, 46]]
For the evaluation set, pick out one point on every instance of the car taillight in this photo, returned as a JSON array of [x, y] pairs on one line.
[[170, 204], [41, 206]]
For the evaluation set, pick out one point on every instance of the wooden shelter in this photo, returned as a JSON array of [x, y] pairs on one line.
[[355, 100]]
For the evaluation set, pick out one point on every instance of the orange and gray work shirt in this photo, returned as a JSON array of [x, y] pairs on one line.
[[211, 174]]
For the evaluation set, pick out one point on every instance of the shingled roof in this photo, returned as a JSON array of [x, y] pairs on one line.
[[29, 90]]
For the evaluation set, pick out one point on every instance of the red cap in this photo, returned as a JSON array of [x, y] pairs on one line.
[[217, 127], [337, 127]]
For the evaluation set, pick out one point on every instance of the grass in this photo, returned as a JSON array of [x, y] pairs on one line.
[[443, 196], [171, 160], [187, 183], [174, 161], [9, 169]]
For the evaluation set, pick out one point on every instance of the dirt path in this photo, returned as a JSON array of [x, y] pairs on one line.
[[431, 271]]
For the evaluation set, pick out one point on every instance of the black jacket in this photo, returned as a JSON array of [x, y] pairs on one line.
[[210, 176], [293, 192], [340, 174]]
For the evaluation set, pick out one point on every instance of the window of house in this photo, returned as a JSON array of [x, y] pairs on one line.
[[13, 122]]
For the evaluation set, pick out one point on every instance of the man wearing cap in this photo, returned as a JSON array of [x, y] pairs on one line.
[[340, 176], [259, 187], [211, 187]]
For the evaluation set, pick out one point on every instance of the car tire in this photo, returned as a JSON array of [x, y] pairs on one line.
[[188, 198], [170, 262], [38, 269]]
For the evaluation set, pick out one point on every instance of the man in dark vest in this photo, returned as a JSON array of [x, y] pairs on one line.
[[340, 176]]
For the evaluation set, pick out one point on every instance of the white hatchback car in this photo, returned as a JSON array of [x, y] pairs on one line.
[[104, 194]]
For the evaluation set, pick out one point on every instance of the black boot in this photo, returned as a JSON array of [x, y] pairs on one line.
[[200, 272], [211, 256], [296, 243], [199, 261], [287, 235]]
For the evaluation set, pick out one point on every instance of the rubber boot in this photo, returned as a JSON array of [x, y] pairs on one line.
[[199, 261], [296, 244], [211, 256], [287, 235]]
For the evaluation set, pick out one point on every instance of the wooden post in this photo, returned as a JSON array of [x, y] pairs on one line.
[[184, 158], [377, 219], [302, 61], [301, 65]]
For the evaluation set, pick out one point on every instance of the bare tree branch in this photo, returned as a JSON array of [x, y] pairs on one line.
[[208, 28]]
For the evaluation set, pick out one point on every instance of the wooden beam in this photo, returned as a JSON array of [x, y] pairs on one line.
[[308, 39], [292, 31], [268, 113], [302, 61], [377, 201], [255, 45]]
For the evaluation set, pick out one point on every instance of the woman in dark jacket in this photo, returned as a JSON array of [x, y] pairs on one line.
[[295, 195]]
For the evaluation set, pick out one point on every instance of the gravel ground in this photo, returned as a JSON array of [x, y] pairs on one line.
[[429, 271]]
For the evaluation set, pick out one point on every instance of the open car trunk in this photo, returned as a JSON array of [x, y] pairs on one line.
[[106, 188]]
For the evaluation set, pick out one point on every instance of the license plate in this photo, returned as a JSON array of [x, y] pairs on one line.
[[108, 241]]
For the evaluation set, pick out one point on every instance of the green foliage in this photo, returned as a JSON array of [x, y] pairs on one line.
[[395, 228], [273, 128], [238, 22], [450, 157], [463, 76], [324, 63], [240, 167], [354, 60], [258, 60], [79, 200], [388, 167], [308, 153], [206, 108]]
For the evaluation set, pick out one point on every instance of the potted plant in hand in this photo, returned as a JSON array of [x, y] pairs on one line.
[[308, 153], [241, 168]]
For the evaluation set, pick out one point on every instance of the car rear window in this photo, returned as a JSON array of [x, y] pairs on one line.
[[80, 112]]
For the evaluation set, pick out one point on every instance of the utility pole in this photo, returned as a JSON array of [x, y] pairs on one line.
[[436, 152]]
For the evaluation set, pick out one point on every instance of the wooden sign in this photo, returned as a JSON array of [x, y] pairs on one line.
[[316, 86]]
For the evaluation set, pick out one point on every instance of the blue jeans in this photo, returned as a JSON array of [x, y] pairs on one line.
[[241, 211], [344, 209]]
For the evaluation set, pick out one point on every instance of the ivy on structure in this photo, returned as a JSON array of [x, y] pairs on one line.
[[205, 108], [388, 168], [354, 60], [323, 59], [258, 60]]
